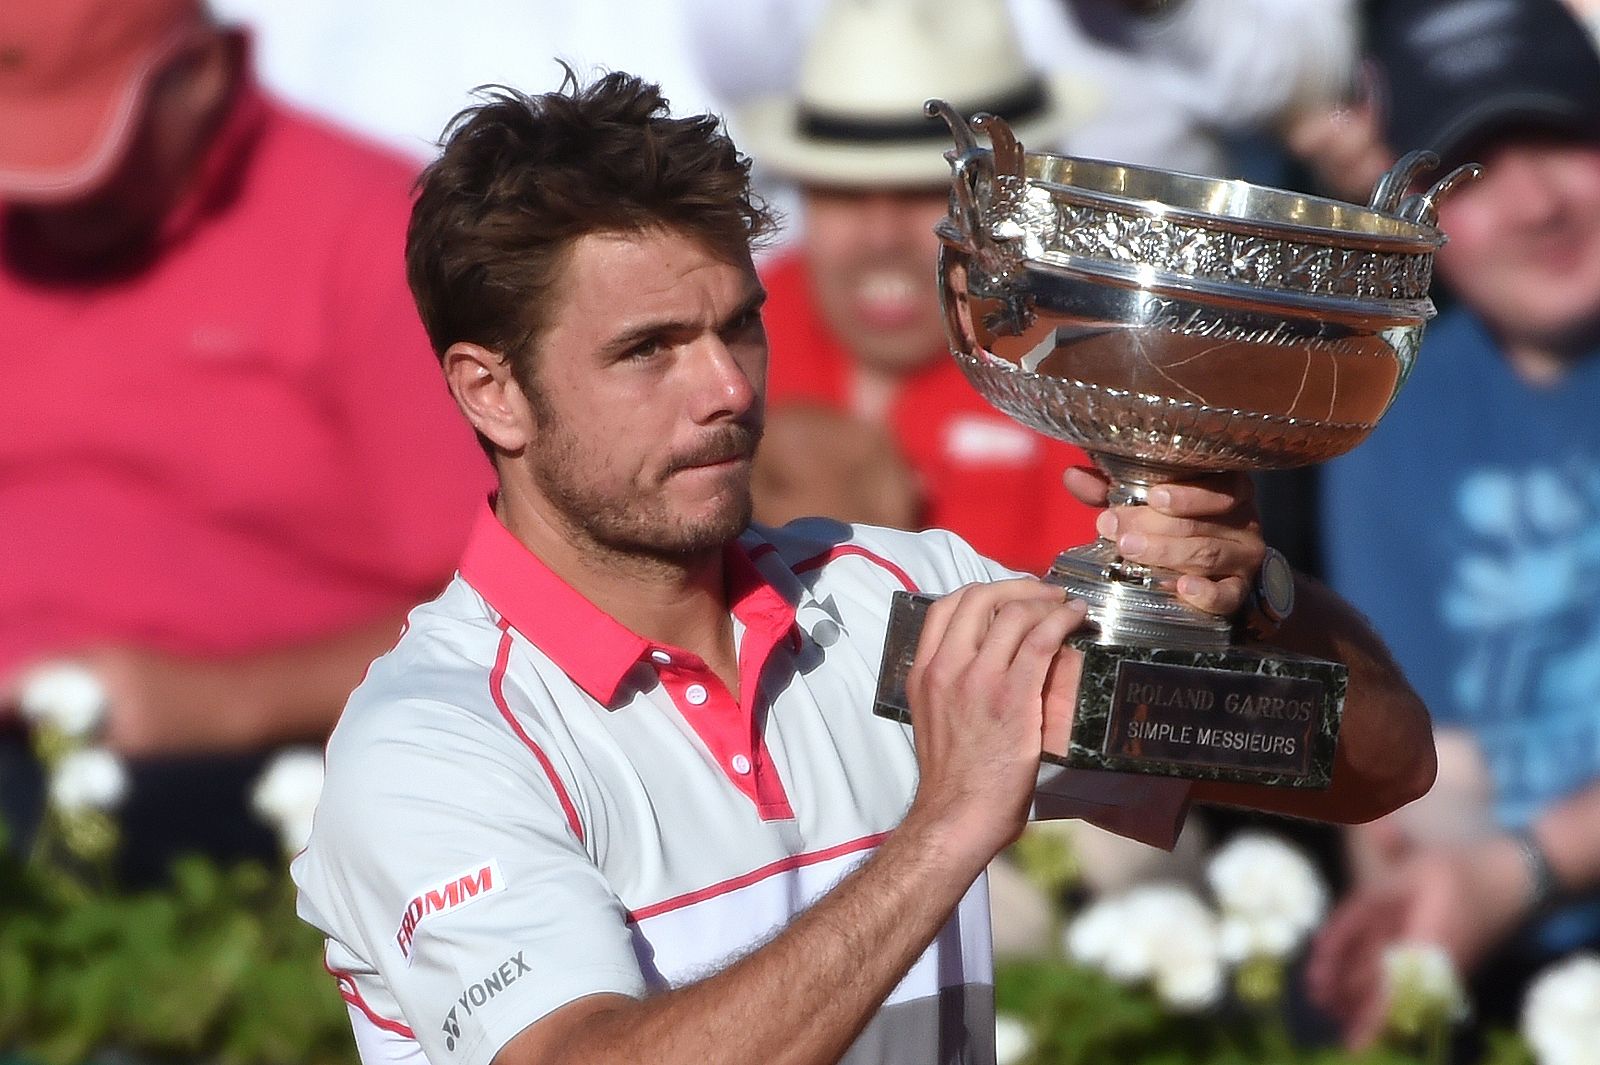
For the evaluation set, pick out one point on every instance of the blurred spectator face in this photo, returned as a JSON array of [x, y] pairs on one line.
[[872, 255], [127, 206], [1524, 247]]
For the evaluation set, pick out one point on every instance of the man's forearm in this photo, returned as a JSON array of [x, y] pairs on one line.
[[1385, 754], [163, 704], [804, 996]]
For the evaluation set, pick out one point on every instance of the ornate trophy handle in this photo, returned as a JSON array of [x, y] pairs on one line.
[[1389, 195], [1008, 153], [965, 141], [967, 162], [1423, 208], [989, 185], [1391, 187]]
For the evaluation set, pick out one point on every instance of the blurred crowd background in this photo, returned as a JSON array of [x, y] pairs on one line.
[[229, 465]]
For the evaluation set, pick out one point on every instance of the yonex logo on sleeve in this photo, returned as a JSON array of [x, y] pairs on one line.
[[481, 992], [456, 892]]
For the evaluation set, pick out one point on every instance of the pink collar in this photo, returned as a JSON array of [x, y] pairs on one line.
[[589, 645]]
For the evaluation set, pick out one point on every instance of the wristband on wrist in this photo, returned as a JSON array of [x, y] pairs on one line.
[[1540, 872]]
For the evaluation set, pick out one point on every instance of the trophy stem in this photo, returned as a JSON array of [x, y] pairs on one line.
[[1129, 603], [1131, 480]]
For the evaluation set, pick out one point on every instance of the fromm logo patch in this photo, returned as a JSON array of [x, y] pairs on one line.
[[465, 887]]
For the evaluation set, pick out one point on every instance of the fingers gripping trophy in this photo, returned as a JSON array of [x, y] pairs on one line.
[[1172, 326]]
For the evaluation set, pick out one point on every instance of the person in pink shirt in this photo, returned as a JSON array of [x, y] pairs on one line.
[[227, 467]]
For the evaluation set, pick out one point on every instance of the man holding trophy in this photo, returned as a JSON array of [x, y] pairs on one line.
[[619, 794]]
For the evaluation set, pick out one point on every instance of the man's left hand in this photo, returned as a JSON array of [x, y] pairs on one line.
[[1206, 529]]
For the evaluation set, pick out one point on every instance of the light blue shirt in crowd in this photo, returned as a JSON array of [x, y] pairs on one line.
[[1467, 527]]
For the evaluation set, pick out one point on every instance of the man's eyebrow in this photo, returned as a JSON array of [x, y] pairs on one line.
[[752, 303], [665, 326], [644, 331]]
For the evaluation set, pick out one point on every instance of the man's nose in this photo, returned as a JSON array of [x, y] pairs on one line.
[[723, 387]]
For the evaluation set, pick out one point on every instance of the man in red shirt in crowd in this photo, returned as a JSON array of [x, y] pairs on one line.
[[853, 318], [227, 467]]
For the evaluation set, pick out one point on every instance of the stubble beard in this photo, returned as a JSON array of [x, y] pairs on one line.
[[635, 526]]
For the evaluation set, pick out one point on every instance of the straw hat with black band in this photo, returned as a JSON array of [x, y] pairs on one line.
[[856, 116]]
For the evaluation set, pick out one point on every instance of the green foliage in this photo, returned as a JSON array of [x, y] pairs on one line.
[[1079, 1016], [1048, 860], [217, 967]]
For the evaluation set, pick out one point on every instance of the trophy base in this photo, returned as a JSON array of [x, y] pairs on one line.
[[1237, 714]]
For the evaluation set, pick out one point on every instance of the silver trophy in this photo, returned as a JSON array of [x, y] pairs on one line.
[[1174, 325]]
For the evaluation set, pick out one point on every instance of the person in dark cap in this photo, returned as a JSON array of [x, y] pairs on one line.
[[1468, 526], [226, 468], [1462, 77]]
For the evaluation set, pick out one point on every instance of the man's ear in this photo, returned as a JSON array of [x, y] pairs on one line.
[[487, 392]]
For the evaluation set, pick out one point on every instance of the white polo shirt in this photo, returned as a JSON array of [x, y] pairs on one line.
[[526, 803]]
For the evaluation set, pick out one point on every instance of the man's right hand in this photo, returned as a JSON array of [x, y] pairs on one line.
[[978, 708]]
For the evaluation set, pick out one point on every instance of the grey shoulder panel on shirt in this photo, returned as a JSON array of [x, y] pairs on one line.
[[954, 1027]]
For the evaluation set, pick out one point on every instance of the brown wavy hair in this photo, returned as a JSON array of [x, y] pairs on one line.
[[521, 178]]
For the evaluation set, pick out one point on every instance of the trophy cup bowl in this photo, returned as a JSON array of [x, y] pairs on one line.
[[1173, 325]]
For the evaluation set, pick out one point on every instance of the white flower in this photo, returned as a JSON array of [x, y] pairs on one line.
[[1241, 938], [90, 779], [1270, 894], [1161, 933], [1561, 1015], [287, 793], [1194, 983], [1094, 932], [64, 696], [1422, 979], [1012, 1040]]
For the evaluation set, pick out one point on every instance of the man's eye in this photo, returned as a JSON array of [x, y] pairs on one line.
[[644, 350]]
